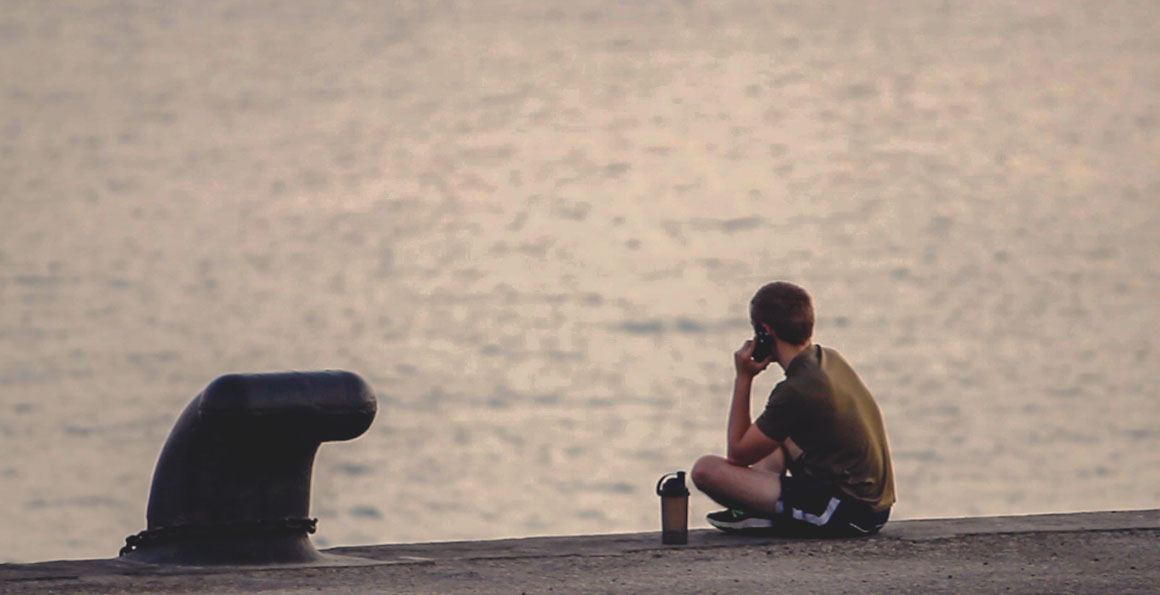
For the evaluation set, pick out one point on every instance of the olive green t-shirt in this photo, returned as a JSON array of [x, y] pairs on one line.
[[828, 412]]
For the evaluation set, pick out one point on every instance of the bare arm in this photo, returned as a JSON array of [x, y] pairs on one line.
[[747, 443]]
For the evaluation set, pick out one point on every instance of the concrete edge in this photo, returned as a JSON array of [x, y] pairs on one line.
[[595, 545], [1117, 520], [616, 544]]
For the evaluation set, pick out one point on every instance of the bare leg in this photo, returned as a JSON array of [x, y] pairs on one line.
[[776, 462], [734, 486], [755, 489]]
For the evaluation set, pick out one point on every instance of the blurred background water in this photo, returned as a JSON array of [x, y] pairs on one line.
[[534, 229]]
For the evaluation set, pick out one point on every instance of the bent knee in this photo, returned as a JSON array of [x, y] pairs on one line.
[[706, 470]]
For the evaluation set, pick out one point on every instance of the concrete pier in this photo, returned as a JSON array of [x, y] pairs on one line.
[[1104, 552]]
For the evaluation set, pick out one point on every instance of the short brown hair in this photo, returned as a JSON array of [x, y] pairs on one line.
[[787, 309]]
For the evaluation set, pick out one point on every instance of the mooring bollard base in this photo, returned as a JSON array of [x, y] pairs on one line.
[[235, 550]]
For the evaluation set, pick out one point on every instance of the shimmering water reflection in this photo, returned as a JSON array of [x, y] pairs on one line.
[[533, 229]]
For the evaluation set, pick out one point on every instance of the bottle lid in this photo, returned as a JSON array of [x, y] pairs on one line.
[[674, 486]]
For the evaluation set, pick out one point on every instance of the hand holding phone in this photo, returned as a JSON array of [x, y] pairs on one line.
[[762, 343]]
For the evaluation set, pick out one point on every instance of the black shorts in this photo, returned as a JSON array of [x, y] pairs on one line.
[[812, 508]]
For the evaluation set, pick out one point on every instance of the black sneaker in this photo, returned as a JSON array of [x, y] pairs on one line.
[[732, 520]]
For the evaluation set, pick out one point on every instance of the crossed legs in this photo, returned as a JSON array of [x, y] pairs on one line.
[[755, 489]]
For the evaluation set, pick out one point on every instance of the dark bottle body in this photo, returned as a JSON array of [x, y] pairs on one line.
[[674, 509]]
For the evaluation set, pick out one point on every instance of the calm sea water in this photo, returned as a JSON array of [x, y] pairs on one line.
[[534, 230]]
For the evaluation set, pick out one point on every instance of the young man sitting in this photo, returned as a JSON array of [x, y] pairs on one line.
[[821, 425]]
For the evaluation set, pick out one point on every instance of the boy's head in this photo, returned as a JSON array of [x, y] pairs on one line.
[[787, 309]]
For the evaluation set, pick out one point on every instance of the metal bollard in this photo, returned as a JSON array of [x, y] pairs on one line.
[[232, 484]]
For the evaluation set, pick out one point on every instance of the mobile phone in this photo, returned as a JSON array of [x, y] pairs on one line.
[[762, 343]]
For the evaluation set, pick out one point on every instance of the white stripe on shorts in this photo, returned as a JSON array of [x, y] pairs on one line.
[[818, 520]]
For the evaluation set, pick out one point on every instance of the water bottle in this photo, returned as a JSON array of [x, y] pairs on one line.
[[674, 509]]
